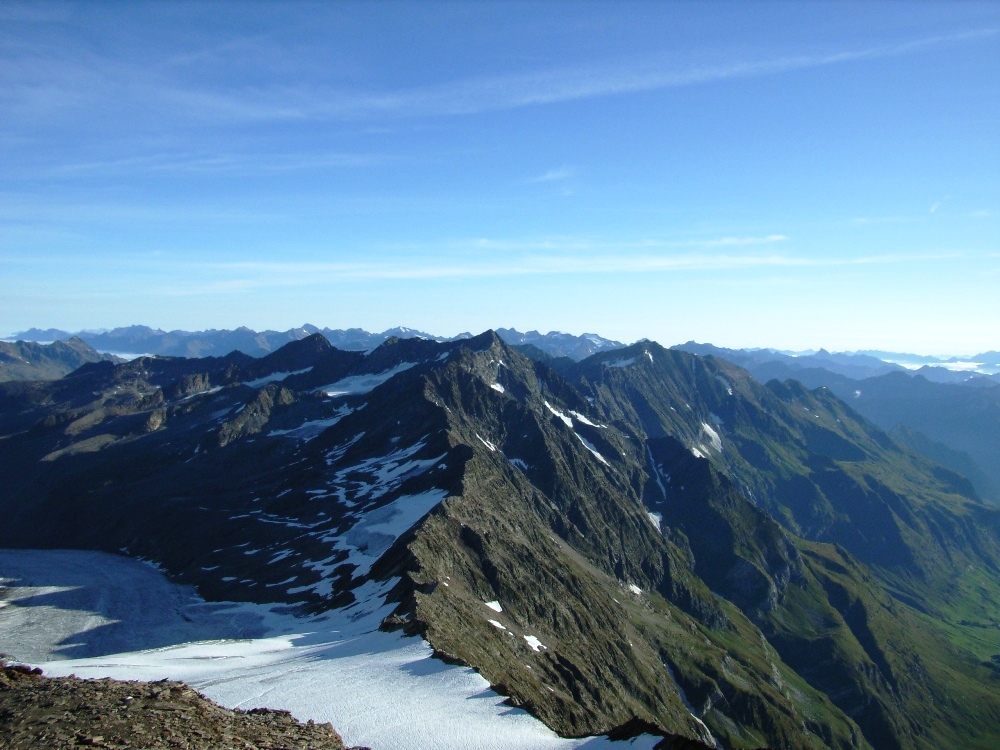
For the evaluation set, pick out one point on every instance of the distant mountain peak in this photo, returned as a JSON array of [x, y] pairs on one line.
[[218, 342]]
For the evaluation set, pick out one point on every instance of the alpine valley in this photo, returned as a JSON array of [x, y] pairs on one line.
[[639, 541]]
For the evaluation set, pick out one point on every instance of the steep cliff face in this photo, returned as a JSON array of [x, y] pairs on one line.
[[646, 540]]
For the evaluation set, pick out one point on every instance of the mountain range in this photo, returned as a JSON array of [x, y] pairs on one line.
[[950, 425], [136, 340], [644, 540], [978, 370], [952, 418]]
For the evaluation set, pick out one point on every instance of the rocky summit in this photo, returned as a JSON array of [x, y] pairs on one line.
[[646, 540], [66, 712]]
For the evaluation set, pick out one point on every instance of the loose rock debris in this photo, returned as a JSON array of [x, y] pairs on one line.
[[69, 712]]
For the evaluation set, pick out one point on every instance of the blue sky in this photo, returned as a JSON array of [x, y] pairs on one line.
[[793, 175]]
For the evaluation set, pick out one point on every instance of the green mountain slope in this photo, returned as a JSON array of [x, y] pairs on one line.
[[958, 425], [26, 360]]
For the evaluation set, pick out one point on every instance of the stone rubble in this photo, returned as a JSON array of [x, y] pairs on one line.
[[69, 712]]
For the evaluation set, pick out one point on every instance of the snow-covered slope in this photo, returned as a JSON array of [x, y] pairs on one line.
[[378, 689]]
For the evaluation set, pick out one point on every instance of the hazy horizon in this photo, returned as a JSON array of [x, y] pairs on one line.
[[789, 176], [749, 347]]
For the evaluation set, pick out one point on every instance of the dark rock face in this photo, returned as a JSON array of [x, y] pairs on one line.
[[42, 712], [644, 538]]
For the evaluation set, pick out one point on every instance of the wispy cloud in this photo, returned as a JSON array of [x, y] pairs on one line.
[[555, 175], [30, 210], [241, 276], [865, 220], [490, 93], [937, 204], [572, 244], [229, 163], [38, 83], [34, 13], [520, 259]]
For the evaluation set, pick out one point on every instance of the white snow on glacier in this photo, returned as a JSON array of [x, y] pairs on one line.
[[99, 615]]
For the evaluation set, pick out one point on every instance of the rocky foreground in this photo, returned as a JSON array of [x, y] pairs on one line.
[[64, 712]]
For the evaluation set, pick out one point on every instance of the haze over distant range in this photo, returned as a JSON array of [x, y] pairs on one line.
[[765, 174], [138, 340]]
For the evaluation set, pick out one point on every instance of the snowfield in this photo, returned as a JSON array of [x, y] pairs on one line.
[[274, 377], [356, 384], [97, 615]]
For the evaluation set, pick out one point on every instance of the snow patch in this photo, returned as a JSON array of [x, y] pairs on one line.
[[308, 430], [536, 645], [566, 420], [658, 473], [494, 605], [494, 623], [580, 418], [219, 414], [377, 529], [356, 384], [374, 477], [726, 384], [274, 377], [214, 389], [519, 464], [486, 442], [708, 737], [620, 362], [655, 519], [713, 436], [497, 387], [635, 589], [590, 447]]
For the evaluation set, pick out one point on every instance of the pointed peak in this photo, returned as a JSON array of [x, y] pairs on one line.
[[316, 339], [640, 347], [485, 340], [390, 342], [306, 348]]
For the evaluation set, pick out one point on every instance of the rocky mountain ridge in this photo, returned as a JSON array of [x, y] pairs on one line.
[[644, 538], [952, 418], [25, 360]]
